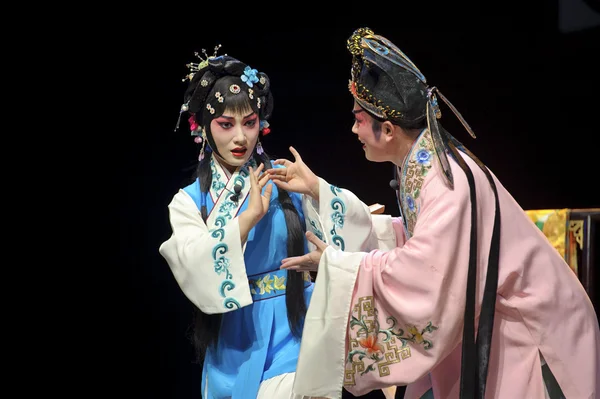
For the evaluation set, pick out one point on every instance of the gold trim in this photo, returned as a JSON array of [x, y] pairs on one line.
[[576, 226]]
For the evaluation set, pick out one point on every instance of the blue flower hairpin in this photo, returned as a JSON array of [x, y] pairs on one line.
[[249, 76]]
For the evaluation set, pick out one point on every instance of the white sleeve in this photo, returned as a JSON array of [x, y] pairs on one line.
[[343, 221], [383, 228], [207, 264]]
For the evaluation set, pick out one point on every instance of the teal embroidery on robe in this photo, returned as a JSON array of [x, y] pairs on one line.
[[316, 230], [337, 217], [226, 208], [217, 183], [219, 233], [244, 172], [221, 261], [221, 266]]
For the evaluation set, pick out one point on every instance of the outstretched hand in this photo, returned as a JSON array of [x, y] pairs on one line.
[[308, 262], [295, 176]]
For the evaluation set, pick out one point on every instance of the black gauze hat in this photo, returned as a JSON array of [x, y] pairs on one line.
[[383, 82], [387, 84]]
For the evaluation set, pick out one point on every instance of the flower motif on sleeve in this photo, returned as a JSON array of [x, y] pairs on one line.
[[370, 344], [221, 265], [338, 219], [375, 348]]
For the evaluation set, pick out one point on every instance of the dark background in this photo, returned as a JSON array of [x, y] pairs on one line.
[[524, 79]]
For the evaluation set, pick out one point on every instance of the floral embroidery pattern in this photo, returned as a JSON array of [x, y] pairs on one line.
[[371, 347], [222, 265], [217, 183], [267, 284], [272, 284], [337, 217], [414, 172]]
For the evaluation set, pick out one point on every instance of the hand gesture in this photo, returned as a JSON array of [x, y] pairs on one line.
[[258, 204], [308, 262], [295, 176]]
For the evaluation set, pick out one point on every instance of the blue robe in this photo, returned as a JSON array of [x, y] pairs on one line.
[[256, 342]]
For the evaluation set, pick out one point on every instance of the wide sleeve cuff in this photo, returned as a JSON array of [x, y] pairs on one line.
[[207, 264]]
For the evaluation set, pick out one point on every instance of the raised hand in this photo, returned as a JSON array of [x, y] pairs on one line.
[[258, 204], [295, 176], [308, 262]]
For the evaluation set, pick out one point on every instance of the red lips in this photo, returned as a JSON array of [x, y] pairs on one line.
[[239, 151]]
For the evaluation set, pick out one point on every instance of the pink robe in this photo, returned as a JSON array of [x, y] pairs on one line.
[[394, 316]]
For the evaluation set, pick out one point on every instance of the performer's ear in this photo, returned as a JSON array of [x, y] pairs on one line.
[[388, 129]]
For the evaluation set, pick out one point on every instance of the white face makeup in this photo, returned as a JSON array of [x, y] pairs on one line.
[[373, 142], [235, 136]]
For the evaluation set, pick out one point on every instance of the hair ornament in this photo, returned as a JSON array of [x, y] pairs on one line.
[[193, 68], [264, 127], [249, 76], [196, 66]]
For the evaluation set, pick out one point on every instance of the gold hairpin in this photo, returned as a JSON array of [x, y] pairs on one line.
[[196, 66]]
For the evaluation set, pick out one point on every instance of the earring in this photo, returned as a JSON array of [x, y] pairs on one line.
[[203, 141], [259, 149]]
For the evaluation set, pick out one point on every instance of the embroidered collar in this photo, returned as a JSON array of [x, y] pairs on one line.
[[222, 187], [221, 176], [415, 168]]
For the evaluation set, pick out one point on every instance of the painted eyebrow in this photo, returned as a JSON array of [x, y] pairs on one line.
[[357, 111], [231, 117]]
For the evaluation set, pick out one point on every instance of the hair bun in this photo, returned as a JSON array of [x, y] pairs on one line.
[[225, 65]]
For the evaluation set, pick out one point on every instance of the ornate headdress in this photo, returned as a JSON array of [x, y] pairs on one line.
[[386, 83], [214, 79]]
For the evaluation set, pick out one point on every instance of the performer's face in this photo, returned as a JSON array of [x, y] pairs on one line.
[[374, 144], [235, 136]]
